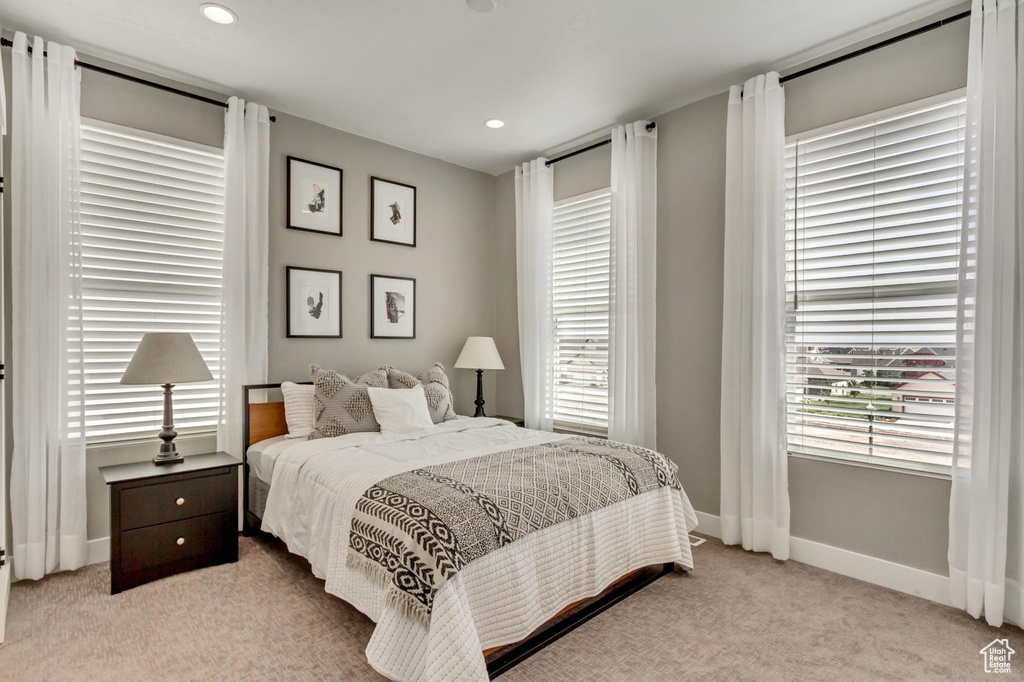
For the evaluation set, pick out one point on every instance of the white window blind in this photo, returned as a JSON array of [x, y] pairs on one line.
[[152, 243], [582, 233], [873, 230]]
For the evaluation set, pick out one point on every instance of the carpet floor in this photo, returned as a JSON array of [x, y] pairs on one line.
[[738, 616]]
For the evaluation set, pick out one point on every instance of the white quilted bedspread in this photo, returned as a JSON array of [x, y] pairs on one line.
[[496, 600]]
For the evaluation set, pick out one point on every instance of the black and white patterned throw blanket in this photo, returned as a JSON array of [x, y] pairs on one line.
[[413, 531]]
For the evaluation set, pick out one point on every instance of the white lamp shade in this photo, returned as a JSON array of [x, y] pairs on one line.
[[166, 358], [479, 353]]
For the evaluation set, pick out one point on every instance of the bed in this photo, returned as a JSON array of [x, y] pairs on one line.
[[495, 610]]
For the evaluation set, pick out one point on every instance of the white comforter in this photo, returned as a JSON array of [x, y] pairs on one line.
[[496, 600]]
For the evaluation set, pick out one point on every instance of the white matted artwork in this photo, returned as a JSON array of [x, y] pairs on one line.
[[314, 197], [314, 303], [392, 212], [392, 307]]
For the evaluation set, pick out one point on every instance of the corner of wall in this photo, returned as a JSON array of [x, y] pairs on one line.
[[508, 382]]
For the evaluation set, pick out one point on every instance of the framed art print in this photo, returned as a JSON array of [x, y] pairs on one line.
[[313, 303], [392, 307], [314, 197], [392, 212]]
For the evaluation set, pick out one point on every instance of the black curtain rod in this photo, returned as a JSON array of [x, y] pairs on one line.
[[877, 46], [4, 42], [563, 157]]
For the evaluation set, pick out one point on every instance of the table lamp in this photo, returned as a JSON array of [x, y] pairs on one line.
[[479, 353], [166, 359]]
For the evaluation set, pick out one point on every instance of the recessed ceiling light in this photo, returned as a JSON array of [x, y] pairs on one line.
[[218, 14], [494, 123], [482, 6]]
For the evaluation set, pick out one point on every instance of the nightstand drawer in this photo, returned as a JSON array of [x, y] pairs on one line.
[[178, 542], [163, 502]]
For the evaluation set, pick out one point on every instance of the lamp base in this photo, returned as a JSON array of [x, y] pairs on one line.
[[168, 451], [479, 402], [164, 459]]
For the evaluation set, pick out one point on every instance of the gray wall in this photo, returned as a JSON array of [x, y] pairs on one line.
[[509, 384], [691, 246], [891, 515], [452, 262]]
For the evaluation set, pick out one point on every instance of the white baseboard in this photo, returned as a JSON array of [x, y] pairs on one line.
[[709, 525], [97, 551], [906, 579]]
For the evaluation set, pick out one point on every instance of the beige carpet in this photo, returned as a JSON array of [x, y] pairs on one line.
[[738, 617]]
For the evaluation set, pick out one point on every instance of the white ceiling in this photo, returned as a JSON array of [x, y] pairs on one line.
[[425, 74]]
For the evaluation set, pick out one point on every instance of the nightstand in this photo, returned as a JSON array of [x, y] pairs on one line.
[[171, 518], [518, 421]]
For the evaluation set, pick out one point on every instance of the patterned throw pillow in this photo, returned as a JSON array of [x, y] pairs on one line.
[[342, 405], [435, 387]]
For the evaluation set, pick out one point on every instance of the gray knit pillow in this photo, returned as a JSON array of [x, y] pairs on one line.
[[342, 405], [436, 388]]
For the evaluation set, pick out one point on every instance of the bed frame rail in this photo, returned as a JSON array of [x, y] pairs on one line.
[[501, 659]]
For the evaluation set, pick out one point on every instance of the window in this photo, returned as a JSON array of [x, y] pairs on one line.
[[152, 241], [873, 230], [582, 234]]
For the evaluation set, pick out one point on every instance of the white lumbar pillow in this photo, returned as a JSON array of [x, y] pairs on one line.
[[400, 410], [298, 409]]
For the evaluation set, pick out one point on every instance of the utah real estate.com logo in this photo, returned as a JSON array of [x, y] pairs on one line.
[[997, 656]]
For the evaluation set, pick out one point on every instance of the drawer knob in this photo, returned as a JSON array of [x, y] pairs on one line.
[[181, 541], [180, 501]]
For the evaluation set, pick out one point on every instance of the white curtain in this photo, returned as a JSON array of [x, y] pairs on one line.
[[48, 466], [755, 487], [534, 218], [632, 413], [243, 350], [986, 518], [3, 96], [5, 582]]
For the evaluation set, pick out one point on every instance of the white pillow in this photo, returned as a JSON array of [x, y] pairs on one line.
[[298, 409], [400, 410]]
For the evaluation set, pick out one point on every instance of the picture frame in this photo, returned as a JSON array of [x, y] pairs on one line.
[[392, 307], [313, 307], [392, 212], [314, 197]]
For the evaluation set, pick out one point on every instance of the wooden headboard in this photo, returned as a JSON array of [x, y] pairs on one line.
[[266, 420]]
